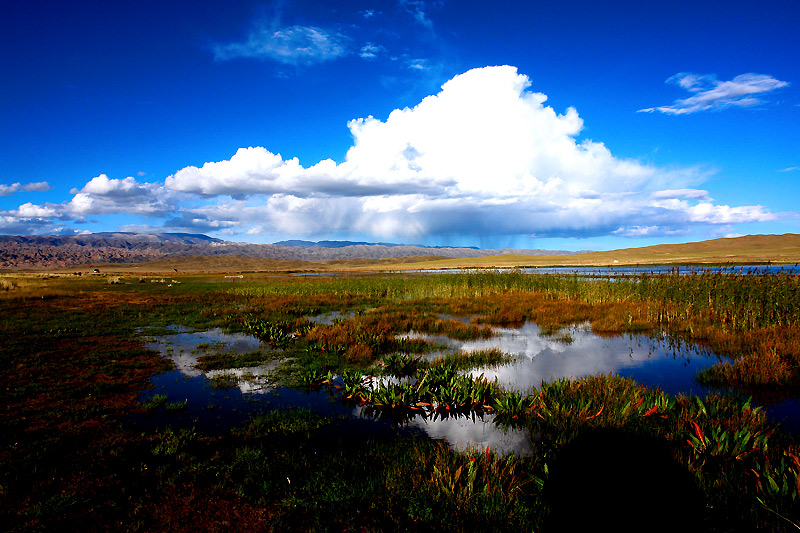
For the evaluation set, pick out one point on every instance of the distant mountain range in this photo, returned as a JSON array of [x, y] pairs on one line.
[[342, 244], [43, 251]]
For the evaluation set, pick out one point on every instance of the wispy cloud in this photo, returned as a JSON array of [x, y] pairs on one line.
[[371, 51], [697, 194], [39, 186], [789, 169], [292, 45], [371, 35], [709, 93], [419, 10]]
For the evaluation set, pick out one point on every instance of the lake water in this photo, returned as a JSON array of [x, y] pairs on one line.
[[618, 271]]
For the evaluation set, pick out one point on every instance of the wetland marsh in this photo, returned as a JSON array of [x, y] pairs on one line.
[[410, 401]]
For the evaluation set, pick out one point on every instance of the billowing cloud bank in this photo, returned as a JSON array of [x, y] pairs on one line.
[[484, 157]]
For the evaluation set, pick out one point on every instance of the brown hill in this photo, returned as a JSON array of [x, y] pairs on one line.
[[20, 252], [783, 249]]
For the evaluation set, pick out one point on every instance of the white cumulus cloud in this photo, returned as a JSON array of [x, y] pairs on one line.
[[103, 195], [29, 210], [484, 156], [31, 219], [709, 93], [38, 186]]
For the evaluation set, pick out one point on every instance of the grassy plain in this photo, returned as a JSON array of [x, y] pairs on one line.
[[73, 365]]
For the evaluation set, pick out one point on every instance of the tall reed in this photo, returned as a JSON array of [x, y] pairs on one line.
[[727, 297]]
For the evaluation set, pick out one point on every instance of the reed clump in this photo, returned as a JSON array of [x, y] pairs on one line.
[[225, 360], [462, 360], [431, 389], [478, 486], [762, 358], [729, 299]]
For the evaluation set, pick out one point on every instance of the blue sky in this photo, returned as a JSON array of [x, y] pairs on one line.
[[561, 125]]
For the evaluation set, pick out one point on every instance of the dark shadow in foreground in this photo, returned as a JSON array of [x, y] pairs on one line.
[[627, 482]]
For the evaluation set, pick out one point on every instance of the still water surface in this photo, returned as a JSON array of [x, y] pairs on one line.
[[618, 271], [658, 362]]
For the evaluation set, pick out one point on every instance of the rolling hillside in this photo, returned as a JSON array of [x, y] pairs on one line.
[[739, 250]]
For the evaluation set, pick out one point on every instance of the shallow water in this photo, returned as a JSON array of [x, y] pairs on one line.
[[329, 318], [653, 361], [217, 410], [465, 433], [184, 347], [657, 270]]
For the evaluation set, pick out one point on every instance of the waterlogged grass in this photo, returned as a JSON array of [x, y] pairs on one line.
[[753, 318], [404, 365], [226, 360], [477, 490], [155, 402], [73, 367], [363, 338], [224, 381], [401, 365], [462, 360], [710, 464], [716, 459], [288, 464], [765, 362]]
